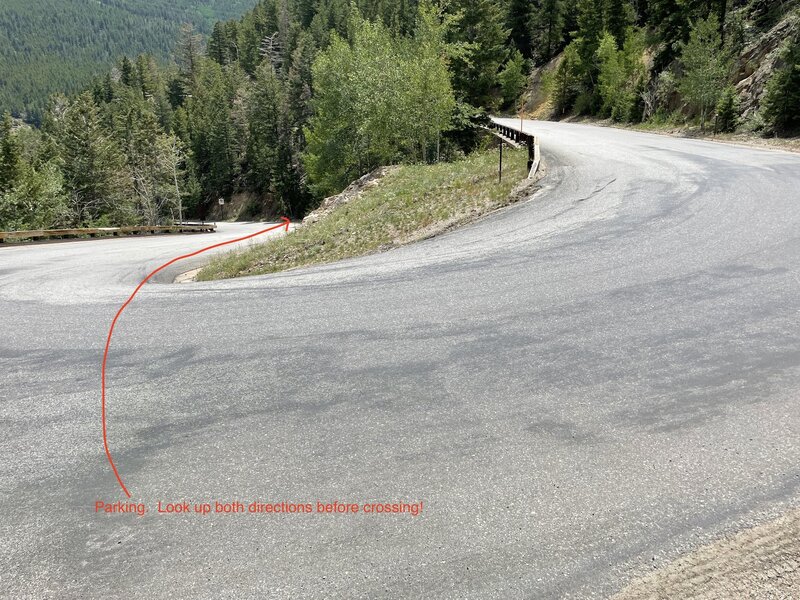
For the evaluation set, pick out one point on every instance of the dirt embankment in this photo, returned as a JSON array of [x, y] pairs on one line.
[[760, 563], [351, 192]]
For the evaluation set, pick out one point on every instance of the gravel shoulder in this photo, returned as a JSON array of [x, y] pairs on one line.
[[790, 144], [762, 562]]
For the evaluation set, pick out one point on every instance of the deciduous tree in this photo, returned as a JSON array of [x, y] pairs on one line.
[[705, 66]]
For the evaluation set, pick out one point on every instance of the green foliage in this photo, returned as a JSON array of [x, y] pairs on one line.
[[51, 46], [223, 43], [518, 20], [271, 169], [590, 30], [512, 78], [37, 201], [299, 84], [564, 85], [266, 123], [480, 29], [782, 100], [298, 97], [31, 195], [10, 155], [389, 214], [705, 66], [378, 98], [620, 74], [94, 168], [429, 99], [153, 160], [546, 26], [727, 110], [217, 133], [766, 13], [618, 17], [332, 17]]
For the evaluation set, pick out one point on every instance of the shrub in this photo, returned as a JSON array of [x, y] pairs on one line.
[[727, 110]]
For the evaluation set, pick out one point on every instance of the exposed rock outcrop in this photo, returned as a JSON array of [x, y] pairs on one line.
[[759, 60]]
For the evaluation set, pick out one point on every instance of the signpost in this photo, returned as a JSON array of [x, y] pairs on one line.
[[500, 168]]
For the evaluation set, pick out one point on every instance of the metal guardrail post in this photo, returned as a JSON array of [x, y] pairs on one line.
[[530, 153], [516, 138], [101, 231], [500, 168]]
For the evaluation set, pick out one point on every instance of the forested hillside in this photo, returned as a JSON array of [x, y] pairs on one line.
[[298, 97], [668, 61], [49, 46]]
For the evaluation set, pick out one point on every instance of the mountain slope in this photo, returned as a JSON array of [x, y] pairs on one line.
[[58, 45]]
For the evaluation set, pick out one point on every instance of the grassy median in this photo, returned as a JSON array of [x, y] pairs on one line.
[[410, 203]]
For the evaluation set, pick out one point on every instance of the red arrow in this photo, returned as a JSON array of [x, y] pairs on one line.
[[285, 224]]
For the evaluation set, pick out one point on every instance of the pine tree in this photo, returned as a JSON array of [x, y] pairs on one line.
[[305, 11], [107, 88], [546, 27], [727, 110], [512, 78], [218, 44], [722, 17], [141, 139], [147, 75], [127, 76], [94, 169], [590, 22], [216, 135], [590, 29], [481, 28], [332, 16], [265, 119], [565, 81], [10, 155], [188, 55], [232, 37], [249, 41], [782, 99], [670, 21], [618, 15], [299, 84], [518, 20]]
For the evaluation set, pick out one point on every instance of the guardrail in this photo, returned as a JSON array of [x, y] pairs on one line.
[[518, 139], [41, 234]]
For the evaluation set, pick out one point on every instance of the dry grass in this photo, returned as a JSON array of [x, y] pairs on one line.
[[410, 203]]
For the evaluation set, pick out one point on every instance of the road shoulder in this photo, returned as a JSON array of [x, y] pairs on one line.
[[761, 562]]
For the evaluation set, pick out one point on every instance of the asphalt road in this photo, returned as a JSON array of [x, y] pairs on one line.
[[579, 388]]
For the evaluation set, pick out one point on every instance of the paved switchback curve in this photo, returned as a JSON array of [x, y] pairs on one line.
[[580, 387]]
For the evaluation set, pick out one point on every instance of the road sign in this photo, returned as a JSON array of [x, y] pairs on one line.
[[222, 201]]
